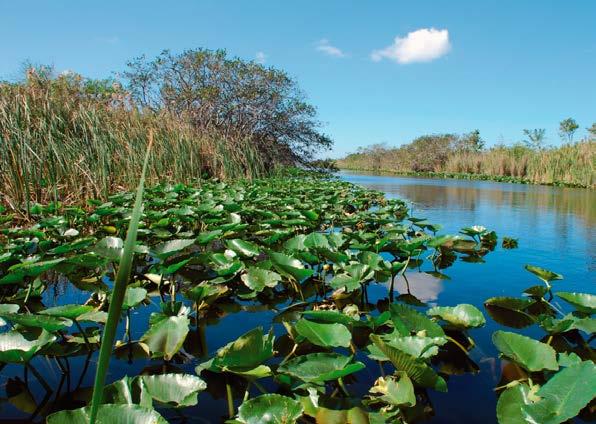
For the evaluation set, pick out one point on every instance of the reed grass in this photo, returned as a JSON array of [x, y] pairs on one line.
[[117, 297], [57, 142], [570, 164]]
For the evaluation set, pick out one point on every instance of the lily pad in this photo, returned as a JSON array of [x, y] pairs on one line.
[[324, 334], [463, 315], [529, 353], [269, 409]]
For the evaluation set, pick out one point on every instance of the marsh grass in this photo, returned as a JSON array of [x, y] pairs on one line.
[[570, 164], [62, 140]]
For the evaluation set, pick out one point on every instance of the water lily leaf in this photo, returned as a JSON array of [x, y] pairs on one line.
[[28, 269], [72, 311], [247, 351], [416, 369], [289, 266], [583, 302], [15, 348], [166, 336], [108, 414], [346, 281], [320, 367], [244, 248], [395, 390], [208, 236], [408, 320], [110, 248], [171, 247], [325, 335], [173, 389], [323, 315], [510, 405], [561, 398], [463, 315], [133, 297], [529, 353], [416, 346], [257, 278], [71, 247], [510, 311], [317, 241], [47, 322], [544, 274], [271, 409], [296, 243], [565, 394]]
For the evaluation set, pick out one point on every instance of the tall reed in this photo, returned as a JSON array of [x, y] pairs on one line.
[[57, 142], [117, 297], [571, 164]]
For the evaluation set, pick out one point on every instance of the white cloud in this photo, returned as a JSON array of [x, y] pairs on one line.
[[324, 46], [260, 57], [422, 45]]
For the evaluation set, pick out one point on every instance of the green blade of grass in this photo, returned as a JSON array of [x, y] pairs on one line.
[[115, 309]]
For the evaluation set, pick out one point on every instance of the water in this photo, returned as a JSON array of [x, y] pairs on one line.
[[555, 228]]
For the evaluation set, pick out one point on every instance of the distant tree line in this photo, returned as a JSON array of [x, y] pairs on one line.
[[529, 159]]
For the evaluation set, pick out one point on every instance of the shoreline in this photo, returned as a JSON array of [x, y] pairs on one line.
[[468, 176]]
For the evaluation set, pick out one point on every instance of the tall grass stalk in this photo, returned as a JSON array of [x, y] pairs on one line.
[[120, 283], [58, 142]]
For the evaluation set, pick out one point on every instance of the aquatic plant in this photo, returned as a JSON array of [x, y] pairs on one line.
[[307, 250]]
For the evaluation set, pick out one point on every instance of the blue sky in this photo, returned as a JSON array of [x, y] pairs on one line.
[[499, 66]]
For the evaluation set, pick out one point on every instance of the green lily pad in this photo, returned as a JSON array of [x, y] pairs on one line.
[[257, 278], [418, 370], [583, 302], [324, 334], [15, 348], [269, 409], [463, 315], [320, 367], [544, 274], [529, 353], [166, 336], [108, 414], [244, 248]]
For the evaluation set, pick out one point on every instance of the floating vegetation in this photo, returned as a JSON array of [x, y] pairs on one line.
[[307, 250]]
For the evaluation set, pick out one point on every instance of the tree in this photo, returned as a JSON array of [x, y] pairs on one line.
[[471, 142], [231, 97], [592, 131], [567, 128], [535, 138]]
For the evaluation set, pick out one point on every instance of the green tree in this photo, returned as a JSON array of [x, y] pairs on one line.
[[235, 98], [471, 142], [567, 128], [535, 138]]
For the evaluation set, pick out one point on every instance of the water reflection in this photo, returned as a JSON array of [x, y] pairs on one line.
[[555, 218], [425, 287]]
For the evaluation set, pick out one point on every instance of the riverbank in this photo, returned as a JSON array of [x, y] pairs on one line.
[[468, 176], [444, 156]]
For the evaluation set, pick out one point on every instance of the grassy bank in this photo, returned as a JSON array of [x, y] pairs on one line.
[[66, 139], [570, 165]]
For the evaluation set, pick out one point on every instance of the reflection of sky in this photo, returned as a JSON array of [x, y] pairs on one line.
[[423, 286], [555, 227]]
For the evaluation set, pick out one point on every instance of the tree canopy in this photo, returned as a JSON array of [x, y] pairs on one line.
[[237, 98]]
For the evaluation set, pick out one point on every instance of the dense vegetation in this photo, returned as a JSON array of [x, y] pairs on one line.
[[308, 250], [452, 156], [68, 138]]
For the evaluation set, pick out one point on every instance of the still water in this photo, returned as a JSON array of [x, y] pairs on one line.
[[556, 230]]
